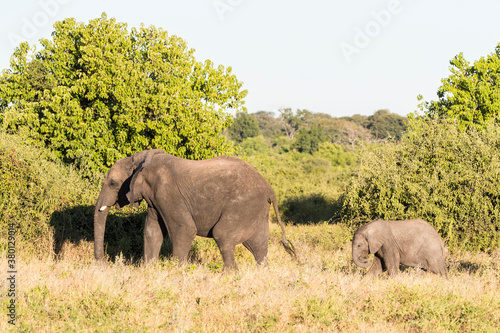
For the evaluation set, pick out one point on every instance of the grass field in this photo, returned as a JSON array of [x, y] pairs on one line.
[[322, 292]]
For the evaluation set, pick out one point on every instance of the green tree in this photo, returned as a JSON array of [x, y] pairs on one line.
[[308, 140], [383, 124], [344, 131], [244, 126], [291, 122], [471, 93], [269, 126], [96, 93]]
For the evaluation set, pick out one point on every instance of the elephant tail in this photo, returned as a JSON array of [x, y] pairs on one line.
[[285, 242]]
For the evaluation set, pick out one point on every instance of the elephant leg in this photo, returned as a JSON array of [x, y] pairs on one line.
[[257, 245], [376, 267], [181, 244], [182, 232], [227, 250], [154, 233], [437, 267], [391, 262]]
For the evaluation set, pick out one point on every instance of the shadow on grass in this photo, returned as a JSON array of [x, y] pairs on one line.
[[468, 267], [311, 209], [123, 235]]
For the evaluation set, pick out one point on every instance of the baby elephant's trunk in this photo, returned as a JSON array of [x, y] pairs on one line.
[[361, 262]]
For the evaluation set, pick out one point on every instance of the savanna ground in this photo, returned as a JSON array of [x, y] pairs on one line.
[[323, 291]]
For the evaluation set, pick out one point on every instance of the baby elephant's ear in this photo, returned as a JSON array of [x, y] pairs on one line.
[[374, 241]]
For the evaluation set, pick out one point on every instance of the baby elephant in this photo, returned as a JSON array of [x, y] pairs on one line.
[[412, 243]]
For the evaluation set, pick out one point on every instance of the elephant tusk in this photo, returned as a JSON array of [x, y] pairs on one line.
[[102, 208]]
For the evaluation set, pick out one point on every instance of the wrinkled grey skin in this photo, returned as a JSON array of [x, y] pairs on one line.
[[412, 243], [113, 193], [222, 198]]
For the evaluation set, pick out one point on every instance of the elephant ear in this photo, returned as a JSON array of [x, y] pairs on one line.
[[143, 158], [134, 195], [374, 241]]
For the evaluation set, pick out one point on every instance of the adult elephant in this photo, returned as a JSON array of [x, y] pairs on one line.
[[113, 193], [223, 198], [412, 243]]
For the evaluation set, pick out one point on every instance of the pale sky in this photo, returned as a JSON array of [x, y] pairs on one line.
[[336, 57]]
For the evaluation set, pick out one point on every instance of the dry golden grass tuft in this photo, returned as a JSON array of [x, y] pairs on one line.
[[322, 292]]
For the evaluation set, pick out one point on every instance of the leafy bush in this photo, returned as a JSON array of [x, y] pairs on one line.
[[439, 173], [335, 154], [253, 145], [51, 204], [34, 186], [96, 93]]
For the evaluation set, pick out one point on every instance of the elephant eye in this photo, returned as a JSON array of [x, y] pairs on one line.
[[113, 184]]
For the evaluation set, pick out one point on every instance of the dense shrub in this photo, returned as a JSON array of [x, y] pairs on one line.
[[253, 145], [337, 155], [447, 176], [52, 204], [34, 185]]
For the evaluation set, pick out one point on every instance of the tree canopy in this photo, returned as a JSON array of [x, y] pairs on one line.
[[471, 93], [346, 130], [98, 92], [244, 126]]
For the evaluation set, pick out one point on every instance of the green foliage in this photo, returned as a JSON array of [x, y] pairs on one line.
[[281, 144], [244, 126], [336, 154], [308, 140], [254, 145], [307, 186], [269, 126], [96, 93], [471, 93], [34, 188], [311, 128], [383, 124], [292, 121], [439, 173], [51, 205]]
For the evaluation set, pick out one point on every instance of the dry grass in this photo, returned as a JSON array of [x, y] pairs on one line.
[[324, 292]]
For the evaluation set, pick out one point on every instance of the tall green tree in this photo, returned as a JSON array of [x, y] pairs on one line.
[[291, 121], [98, 92], [383, 124], [308, 140], [244, 126], [471, 93], [269, 126]]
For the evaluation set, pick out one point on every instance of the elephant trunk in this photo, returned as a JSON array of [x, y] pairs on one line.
[[100, 216], [360, 259]]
